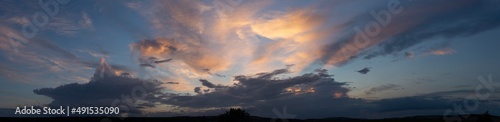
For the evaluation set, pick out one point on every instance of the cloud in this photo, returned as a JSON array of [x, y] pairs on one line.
[[307, 95], [381, 88], [106, 86], [86, 22], [18, 20], [216, 74], [208, 84], [40, 58], [69, 57], [220, 40], [193, 54], [364, 70], [408, 106], [197, 90], [458, 19], [195, 35], [289, 25], [448, 19], [309, 35], [296, 35], [96, 54], [152, 61], [63, 26], [172, 82], [162, 61], [200, 40], [194, 40], [263, 90], [200, 43], [409, 55], [269, 86], [66, 24], [14, 74], [445, 51]]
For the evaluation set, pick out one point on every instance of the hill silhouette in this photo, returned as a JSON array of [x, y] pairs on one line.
[[240, 115]]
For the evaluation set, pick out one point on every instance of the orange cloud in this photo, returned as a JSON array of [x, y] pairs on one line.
[[445, 51], [241, 40], [289, 25], [296, 37], [196, 56]]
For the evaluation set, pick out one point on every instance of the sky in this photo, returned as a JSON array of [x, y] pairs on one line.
[[310, 59]]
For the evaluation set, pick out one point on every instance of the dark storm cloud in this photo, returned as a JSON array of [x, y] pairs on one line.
[[308, 95], [269, 75], [364, 70], [263, 91], [162, 61], [197, 90], [104, 89], [260, 95], [171, 82], [208, 84], [152, 61], [256, 87]]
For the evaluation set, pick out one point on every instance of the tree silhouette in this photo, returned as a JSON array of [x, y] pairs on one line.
[[486, 117], [234, 115]]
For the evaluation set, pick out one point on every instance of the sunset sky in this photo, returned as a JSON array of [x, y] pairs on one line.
[[317, 59]]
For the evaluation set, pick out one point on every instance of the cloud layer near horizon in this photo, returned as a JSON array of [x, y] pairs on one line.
[[307, 95]]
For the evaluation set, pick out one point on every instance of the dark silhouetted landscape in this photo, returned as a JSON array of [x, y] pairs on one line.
[[239, 115]]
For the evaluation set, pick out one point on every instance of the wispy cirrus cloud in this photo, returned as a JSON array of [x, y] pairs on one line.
[[381, 88], [445, 51], [456, 19], [69, 26], [86, 21]]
